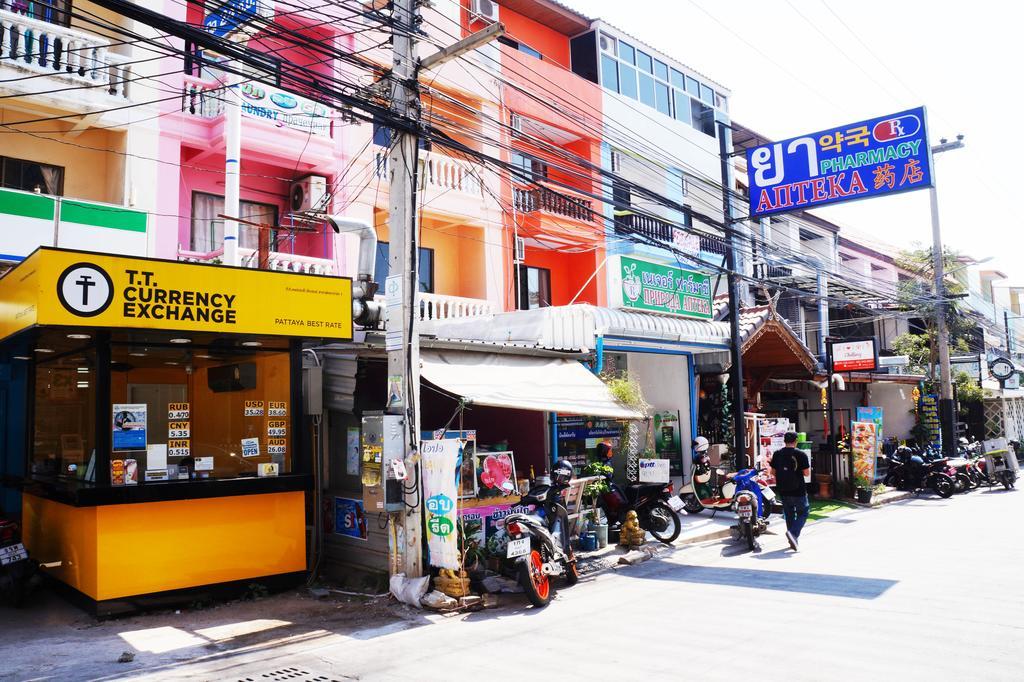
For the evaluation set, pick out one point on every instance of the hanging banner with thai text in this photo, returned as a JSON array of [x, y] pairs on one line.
[[870, 158], [438, 459]]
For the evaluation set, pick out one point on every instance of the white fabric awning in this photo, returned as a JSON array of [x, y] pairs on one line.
[[522, 382]]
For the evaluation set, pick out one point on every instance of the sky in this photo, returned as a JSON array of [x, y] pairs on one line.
[[799, 66]]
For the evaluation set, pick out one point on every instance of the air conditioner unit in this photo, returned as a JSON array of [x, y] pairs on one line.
[[308, 194], [520, 250], [484, 9]]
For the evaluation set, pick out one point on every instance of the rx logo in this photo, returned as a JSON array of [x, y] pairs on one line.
[[85, 289]]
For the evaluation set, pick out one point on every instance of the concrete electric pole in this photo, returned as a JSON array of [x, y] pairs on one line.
[[947, 411], [402, 284]]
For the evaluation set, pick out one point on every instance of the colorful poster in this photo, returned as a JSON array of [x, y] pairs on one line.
[[484, 527], [129, 426], [437, 464], [668, 439], [349, 518], [495, 474], [865, 450]]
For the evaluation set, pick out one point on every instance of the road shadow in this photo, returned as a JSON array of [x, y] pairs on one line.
[[851, 587]]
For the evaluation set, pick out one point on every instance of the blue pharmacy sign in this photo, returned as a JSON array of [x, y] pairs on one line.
[[879, 156], [224, 17]]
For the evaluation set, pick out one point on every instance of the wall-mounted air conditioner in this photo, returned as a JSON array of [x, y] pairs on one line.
[[308, 194], [486, 10]]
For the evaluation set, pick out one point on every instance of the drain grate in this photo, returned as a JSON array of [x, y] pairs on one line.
[[289, 674]]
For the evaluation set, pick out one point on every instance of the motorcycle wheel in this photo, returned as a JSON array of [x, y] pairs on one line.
[[572, 571], [692, 505], [943, 487], [963, 482], [663, 523], [1007, 480], [535, 583], [748, 533]]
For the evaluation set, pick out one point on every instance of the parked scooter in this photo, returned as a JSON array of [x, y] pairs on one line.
[[17, 569], [539, 545], [649, 501], [909, 471]]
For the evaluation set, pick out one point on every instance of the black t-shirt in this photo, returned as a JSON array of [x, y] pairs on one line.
[[789, 464]]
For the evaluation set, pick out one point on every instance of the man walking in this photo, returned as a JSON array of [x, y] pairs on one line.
[[790, 466]]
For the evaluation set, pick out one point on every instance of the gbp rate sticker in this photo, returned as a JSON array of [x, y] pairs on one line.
[[277, 428]]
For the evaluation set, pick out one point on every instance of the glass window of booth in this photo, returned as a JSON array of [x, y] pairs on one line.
[[64, 411], [207, 413]]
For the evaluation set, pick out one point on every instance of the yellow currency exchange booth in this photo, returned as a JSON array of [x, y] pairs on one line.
[[166, 450]]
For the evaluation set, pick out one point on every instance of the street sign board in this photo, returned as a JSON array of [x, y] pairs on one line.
[[643, 285], [228, 16], [853, 356], [869, 158]]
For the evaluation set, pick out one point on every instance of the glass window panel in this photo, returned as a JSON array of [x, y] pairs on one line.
[[721, 102], [425, 276], [530, 51], [661, 70], [664, 104], [682, 103], [609, 73], [646, 89], [703, 117], [707, 95], [627, 53], [627, 80], [644, 61], [678, 80], [64, 416], [692, 86]]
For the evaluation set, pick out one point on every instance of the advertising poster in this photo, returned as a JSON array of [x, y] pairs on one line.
[[668, 440], [928, 413], [129, 426], [349, 518], [865, 449], [437, 465], [352, 451], [654, 471], [484, 527], [495, 474], [873, 415], [643, 285]]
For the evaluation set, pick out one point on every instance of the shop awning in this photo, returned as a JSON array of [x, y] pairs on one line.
[[522, 382]]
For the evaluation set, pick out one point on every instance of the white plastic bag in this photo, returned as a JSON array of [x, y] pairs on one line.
[[409, 590]]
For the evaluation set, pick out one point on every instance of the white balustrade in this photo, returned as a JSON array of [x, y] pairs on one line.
[[66, 53], [440, 307], [438, 171], [287, 262]]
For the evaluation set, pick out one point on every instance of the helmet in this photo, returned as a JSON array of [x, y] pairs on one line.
[[700, 444], [562, 472]]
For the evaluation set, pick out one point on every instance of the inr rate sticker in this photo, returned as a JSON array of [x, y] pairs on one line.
[[253, 408], [277, 409], [276, 446], [177, 411], [250, 447], [177, 430], [178, 448], [277, 428]]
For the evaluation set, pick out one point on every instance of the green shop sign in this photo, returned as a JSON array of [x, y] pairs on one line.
[[664, 289]]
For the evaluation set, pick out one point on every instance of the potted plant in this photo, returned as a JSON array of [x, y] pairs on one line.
[[864, 489]]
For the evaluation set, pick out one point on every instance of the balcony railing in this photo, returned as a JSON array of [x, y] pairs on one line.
[[288, 262], [438, 171], [62, 52], [549, 201], [648, 226], [440, 307]]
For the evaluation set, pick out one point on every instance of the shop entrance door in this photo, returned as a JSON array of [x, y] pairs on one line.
[[157, 397]]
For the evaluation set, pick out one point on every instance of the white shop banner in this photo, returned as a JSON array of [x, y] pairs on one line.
[[438, 461], [654, 470]]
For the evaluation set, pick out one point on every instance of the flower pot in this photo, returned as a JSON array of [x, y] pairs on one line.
[[864, 495], [824, 482], [601, 531]]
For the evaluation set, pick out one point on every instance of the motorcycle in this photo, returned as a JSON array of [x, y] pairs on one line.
[[649, 501], [17, 569], [539, 546], [909, 471]]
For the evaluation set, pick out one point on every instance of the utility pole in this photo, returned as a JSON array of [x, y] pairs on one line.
[[403, 281], [232, 166], [736, 375], [947, 410]]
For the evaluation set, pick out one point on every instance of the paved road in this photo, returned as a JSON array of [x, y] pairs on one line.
[[925, 589]]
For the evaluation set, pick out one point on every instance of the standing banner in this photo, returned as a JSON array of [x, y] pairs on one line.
[[865, 449], [928, 415], [438, 460], [873, 415]]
